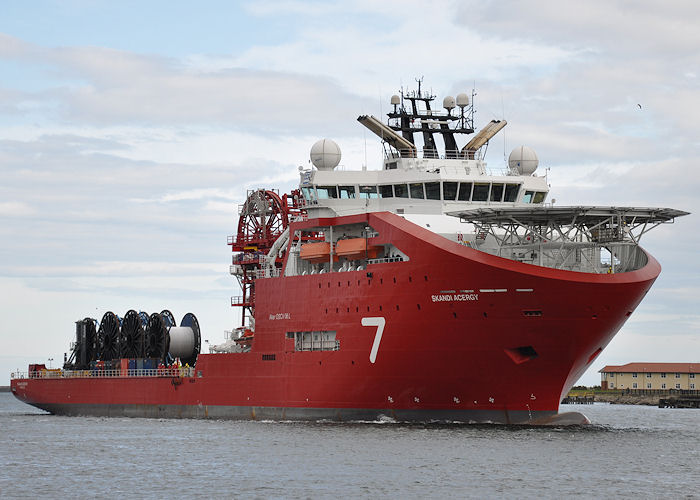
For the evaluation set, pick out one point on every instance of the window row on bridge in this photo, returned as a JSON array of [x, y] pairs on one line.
[[446, 191]]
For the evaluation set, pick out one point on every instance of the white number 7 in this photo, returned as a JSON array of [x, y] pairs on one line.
[[379, 322]]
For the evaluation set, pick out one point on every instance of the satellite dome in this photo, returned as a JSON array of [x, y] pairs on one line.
[[325, 154], [395, 99], [462, 100], [448, 102], [524, 160]]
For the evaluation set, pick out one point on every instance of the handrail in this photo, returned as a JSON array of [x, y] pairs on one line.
[[182, 371], [267, 272], [237, 300], [385, 260], [248, 258], [426, 153]]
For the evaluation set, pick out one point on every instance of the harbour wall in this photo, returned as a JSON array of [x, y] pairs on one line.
[[630, 396]]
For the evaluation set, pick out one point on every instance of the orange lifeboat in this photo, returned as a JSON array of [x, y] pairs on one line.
[[356, 248], [317, 252], [246, 338]]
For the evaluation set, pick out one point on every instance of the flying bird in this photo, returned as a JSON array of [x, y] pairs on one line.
[[640, 106]]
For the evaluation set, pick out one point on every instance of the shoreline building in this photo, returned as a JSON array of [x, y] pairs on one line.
[[654, 376]]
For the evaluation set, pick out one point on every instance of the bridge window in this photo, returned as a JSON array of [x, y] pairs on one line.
[[528, 196], [481, 192], [465, 191], [346, 192], [449, 191], [539, 197], [309, 193], [432, 190], [496, 192], [511, 192], [386, 191], [326, 192], [417, 191], [368, 192], [400, 191]]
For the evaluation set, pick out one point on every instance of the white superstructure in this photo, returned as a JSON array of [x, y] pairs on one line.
[[422, 185]]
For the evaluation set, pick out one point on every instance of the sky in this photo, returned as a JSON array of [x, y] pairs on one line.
[[131, 131]]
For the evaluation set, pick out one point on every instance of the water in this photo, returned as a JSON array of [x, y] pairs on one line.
[[629, 451]]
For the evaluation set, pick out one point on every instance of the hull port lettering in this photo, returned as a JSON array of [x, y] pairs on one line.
[[455, 297], [273, 317]]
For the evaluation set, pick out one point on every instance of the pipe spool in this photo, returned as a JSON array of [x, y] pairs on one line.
[[132, 335], [157, 336], [144, 318], [168, 317], [185, 340], [108, 337], [138, 335]]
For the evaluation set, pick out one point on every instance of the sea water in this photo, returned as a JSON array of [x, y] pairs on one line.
[[627, 452]]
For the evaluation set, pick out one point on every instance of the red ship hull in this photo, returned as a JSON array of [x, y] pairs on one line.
[[466, 336]]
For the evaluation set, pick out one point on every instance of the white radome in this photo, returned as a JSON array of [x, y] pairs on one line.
[[462, 100], [524, 160], [325, 154], [448, 102]]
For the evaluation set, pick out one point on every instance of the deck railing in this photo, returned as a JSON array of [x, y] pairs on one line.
[[182, 371], [384, 260]]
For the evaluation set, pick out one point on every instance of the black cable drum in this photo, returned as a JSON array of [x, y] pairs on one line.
[[108, 337], [168, 317], [132, 335], [157, 336]]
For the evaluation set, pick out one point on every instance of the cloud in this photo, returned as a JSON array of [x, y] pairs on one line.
[[105, 87], [15, 209], [605, 26], [626, 56], [14, 48]]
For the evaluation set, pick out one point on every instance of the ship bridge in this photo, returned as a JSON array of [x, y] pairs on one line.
[[591, 239], [441, 176]]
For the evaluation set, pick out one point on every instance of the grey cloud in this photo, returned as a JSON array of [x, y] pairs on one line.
[[626, 54], [109, 87], [70, 200], [609, 26]]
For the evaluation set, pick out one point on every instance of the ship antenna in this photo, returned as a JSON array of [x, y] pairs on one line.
[[503, 117]]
